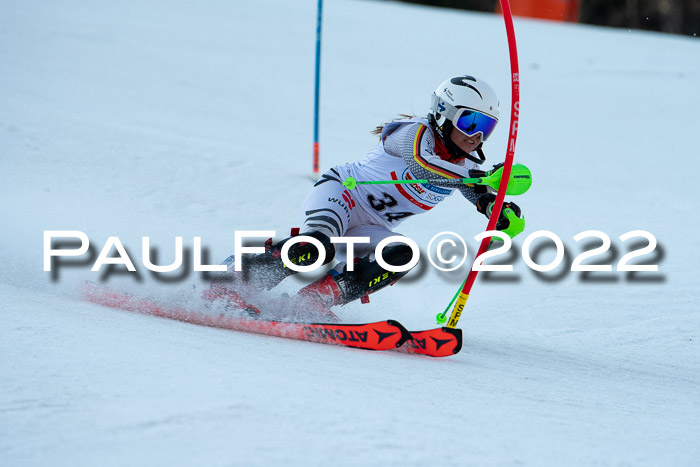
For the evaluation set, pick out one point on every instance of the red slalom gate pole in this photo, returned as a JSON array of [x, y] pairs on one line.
[[510, 154]]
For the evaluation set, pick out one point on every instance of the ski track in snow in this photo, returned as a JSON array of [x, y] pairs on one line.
[[175, 119]]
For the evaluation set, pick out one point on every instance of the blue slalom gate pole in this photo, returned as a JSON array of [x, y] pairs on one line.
[[318, 83]]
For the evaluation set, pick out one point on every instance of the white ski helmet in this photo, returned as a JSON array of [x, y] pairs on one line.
[[467, 104]]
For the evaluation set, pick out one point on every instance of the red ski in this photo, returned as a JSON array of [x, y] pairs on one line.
[[440, 342], [382, 335]]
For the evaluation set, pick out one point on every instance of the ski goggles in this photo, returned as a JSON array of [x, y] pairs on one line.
[[470, 122]]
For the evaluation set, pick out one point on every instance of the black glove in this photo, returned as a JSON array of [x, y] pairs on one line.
[[485, 205], [476, 173]]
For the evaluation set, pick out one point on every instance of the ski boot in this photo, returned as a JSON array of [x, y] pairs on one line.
[[266, 270], [367, 277]]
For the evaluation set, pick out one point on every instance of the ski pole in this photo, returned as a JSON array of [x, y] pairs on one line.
[[442, 317], [519, 182]]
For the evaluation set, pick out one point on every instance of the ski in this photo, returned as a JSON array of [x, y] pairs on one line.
[[381, 335], [439, 342]]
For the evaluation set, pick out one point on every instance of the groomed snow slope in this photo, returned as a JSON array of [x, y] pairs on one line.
[[167, 119]]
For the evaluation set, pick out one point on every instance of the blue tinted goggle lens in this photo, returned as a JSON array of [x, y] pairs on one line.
[[471, 122]]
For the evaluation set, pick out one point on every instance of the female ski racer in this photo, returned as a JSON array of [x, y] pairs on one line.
[[447, 144]]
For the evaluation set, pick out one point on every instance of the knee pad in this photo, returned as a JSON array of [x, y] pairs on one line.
[[398, 255]]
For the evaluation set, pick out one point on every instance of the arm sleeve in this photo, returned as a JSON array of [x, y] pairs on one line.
[[415, 144], [469, 193]]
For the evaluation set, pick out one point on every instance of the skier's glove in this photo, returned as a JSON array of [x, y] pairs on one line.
[[510, 221], [476, 173]]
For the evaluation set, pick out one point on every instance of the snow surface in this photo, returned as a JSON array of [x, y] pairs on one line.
[[174, 118]]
